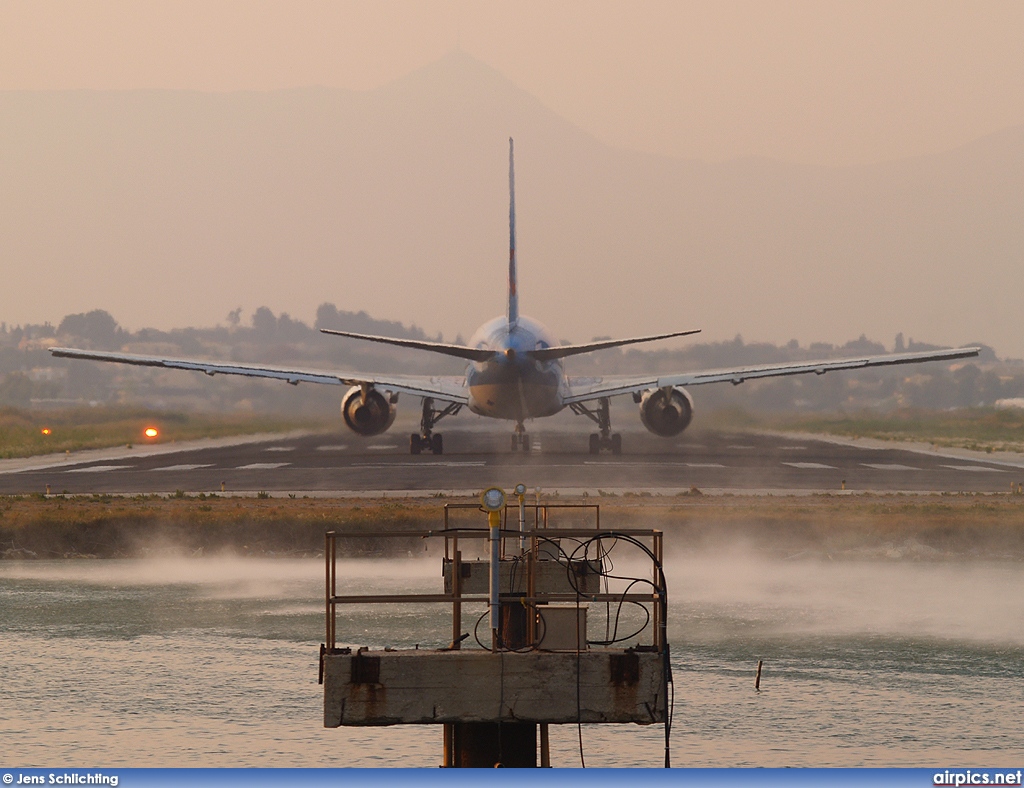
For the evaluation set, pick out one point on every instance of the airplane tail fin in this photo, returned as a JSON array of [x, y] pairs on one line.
[[513, 294]]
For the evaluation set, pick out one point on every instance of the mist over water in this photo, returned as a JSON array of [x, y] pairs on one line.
[[725, 596], [213, 661]]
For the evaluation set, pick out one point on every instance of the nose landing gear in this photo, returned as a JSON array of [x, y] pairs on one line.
[[520, 440]]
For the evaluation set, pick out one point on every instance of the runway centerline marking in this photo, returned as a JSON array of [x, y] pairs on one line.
[[183, 467], [737, 446], [381, 446], [807, 466], [261, 466], [338, 447], [889, 466], [100, 468], [619, 463], [975, 468], [280, 448], [457, 464]]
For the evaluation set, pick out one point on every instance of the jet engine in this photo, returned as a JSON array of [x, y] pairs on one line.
[[666, 412], [367, 416]]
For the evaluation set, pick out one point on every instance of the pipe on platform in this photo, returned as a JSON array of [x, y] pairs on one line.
[[494, 523]]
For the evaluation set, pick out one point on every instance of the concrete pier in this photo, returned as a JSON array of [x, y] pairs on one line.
[[431, 687], [538, 667]]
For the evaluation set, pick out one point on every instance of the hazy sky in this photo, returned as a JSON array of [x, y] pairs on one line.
[[821, 82]]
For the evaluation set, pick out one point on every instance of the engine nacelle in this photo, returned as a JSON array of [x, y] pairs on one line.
[[371, 417], [666, 412]]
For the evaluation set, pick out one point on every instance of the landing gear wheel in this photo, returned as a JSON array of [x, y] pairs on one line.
[[616, 443], [595, 443], [515, 441], [427, 439], [526, 443]]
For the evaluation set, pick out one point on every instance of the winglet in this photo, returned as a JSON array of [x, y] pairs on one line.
[[513, 295]]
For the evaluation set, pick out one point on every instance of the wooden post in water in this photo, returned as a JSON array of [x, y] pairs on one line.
[[757, 680]]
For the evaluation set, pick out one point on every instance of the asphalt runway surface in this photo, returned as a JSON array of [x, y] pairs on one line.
[[342, 463]]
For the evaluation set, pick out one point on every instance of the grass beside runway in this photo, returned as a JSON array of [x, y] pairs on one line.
[[26, 433], [22, 431], [905, 527], [977, 429]]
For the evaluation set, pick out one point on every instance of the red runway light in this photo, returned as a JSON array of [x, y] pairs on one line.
[[151, 432]]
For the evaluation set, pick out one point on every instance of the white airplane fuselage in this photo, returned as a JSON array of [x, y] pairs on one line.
[[512, 385]]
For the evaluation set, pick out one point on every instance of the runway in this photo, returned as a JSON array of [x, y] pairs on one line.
[[342, 464]]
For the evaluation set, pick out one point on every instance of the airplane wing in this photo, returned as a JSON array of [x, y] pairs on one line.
[[445, 388], [584, 389]]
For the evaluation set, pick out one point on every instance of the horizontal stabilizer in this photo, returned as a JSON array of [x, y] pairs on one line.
[[459, 351], [548, 353]]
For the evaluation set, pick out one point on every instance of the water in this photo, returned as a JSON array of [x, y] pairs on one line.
[[213, 662]]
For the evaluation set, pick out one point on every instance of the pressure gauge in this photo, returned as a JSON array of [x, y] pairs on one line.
[[493, 499], [520, 489]]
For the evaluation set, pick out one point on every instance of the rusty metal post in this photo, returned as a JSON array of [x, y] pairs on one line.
[[659, 624], [330, 586], [457, 601]]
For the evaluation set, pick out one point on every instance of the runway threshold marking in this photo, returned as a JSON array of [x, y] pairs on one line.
[[100, 468], [889, 466], [183, 467], [810, 465], [261, 466], [975, 468]]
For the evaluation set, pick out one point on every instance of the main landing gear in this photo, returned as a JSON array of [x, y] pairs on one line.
[[605, 439], [520, 440], [426, 440]]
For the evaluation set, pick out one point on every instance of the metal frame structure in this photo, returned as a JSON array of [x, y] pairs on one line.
[[541, 531]]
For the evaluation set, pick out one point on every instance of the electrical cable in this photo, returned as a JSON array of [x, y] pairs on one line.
[[604, 542], [661, 589]]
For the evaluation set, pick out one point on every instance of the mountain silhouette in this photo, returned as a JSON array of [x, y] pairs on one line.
[[173, 207]]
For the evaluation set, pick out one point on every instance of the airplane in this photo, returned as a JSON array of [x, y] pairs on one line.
[[515, 373]]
